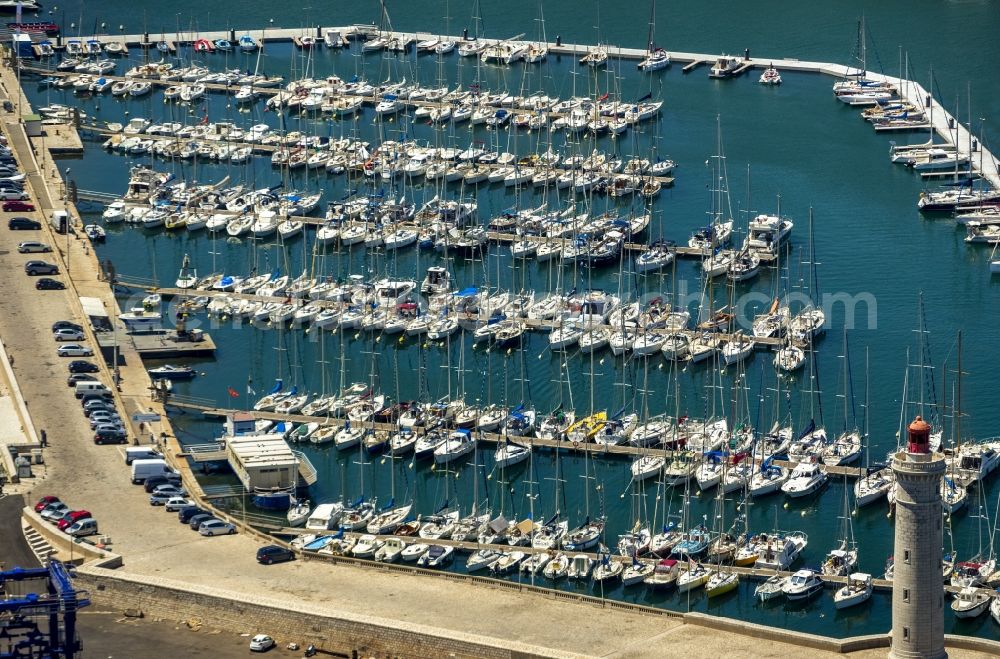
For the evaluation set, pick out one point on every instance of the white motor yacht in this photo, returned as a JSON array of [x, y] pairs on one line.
[[806, 478], [802, 585]]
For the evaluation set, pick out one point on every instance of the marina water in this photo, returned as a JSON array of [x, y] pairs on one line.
[[870, 243]]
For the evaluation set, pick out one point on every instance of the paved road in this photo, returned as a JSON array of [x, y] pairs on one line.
[[109, 635], [14, 550]]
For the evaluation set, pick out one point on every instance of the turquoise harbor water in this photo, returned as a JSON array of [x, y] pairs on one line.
[[871, 244]]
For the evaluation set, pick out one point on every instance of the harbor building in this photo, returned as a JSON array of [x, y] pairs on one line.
[[268, 468], [917, 594]]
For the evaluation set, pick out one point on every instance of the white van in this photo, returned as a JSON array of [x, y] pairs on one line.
[[133, 453], [83, 527], [84, 388], [147, 468]]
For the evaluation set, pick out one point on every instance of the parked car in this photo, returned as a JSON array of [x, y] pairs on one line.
[[153, 482], [22, 223], [76, 378], [99, 409], [65, 324], [185, 515], [274, 554], [107, 435], [44, 501], [98, 405], [33, 247], [46, 284], [110, 427], [80, 528], [213, 527], [13, 194], [68, 335], [195, 522], [100, 396], [33, 268], [160, 498], [176, 503], [54, 511], [18, 207], [261, 643], [80, 366], [74, 350], [71, 518], [133, 453], [105, 417], [170, 489]]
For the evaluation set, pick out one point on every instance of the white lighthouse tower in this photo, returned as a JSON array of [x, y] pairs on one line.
[[917, 590]]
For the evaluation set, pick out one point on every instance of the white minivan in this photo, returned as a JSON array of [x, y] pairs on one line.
[[147, 468], [88, 387]]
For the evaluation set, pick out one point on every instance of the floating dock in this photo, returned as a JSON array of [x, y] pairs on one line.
[[156, 345], [212, 452]]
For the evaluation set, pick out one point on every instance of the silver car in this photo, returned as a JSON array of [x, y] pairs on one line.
[[74, 350], [33, 247], [214, 526]]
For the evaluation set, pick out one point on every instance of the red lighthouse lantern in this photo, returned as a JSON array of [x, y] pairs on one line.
[[919, 436]]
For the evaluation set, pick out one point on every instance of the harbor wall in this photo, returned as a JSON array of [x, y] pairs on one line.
[[341, 633], [65, 547], [800, 639]]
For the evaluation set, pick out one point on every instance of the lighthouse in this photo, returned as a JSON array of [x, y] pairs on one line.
[[917, 589]]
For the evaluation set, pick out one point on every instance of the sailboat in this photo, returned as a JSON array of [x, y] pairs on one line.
[[607, 569], [187, 277], [861, 90], [656, 58], [846, 448], [722, 581], [810, 322], [842, 560], [872, 483], [719, 231]]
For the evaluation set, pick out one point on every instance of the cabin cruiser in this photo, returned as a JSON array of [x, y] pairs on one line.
[[767, 232], [777, 552], [802, 585], [806, 479], [724, 67]]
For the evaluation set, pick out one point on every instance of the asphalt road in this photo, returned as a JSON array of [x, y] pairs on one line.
[[108, 635], [14, 550]]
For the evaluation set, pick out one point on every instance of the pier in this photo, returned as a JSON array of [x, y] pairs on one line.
[[206, 452], [529, 323]]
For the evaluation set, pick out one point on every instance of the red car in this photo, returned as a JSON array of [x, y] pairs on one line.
[[14, 205], [72, 517], [44, 501]]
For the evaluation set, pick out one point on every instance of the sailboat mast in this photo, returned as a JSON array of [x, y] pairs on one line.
[[958, 408]]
